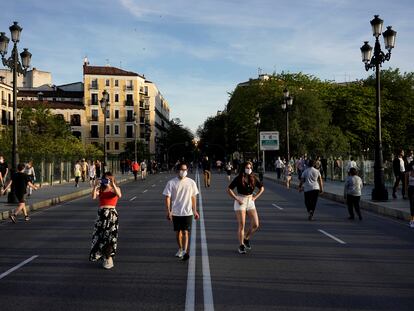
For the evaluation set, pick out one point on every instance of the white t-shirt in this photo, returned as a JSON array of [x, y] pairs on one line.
[[310, 179], [353, 185], [180, 191]]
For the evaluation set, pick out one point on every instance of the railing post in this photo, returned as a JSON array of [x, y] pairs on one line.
[[61, 172], [42, 172]]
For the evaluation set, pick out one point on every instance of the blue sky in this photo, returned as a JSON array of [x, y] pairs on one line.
[[197, 51]]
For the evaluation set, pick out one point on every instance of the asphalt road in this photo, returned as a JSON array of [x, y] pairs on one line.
[[326, 264]]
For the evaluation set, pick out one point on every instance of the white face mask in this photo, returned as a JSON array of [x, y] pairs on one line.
[[248, 171], [183, 174]]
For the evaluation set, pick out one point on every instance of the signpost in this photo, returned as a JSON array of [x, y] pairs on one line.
[[268, 141]]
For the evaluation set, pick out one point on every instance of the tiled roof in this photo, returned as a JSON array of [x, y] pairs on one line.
[[108, 71], [49, 104]]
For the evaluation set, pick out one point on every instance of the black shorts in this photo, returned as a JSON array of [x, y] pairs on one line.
[[20, 197], [182, 223]]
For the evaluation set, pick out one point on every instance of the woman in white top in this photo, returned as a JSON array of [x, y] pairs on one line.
[[30, 172], [352, 193], [92, 173]]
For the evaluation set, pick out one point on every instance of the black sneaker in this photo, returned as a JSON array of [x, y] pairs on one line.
[[247, 244], [13, 218], [310, 215], [185, 257], [242, 249]]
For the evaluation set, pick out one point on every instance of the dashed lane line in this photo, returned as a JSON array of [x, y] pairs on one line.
[[133, 198], [278, 207], [331, 236], [3, 275], [145, 191]]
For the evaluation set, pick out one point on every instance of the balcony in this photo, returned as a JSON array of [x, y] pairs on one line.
[[94, 118], [93, 102], [94, 134], [75, 123], [4, 102], [129, 102], [129, 119], [128, 88]]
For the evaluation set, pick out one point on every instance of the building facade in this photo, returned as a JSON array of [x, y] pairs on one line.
[[6, 104], [33, 78]]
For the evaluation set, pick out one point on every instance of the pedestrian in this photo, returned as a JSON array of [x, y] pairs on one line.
[[206, 166], [77, 171], [279, 167], [31, 174], [352, 193], [218, 165], [181, 206], [92, 173], [411, 192], [260, 171], [398, 166], [299, 167], [351, 164], [324, 167], [135, 168], [143, 169], [4, 170], [244, 203], [288, 174], [105, 236], [228, 167], [98, 168], [410, 157], [19, 182], [84, 166], [311, 183]]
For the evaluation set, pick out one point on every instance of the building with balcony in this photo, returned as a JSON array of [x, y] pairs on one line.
[[6, 104]]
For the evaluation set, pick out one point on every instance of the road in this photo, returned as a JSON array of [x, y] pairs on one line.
[[326, 264]]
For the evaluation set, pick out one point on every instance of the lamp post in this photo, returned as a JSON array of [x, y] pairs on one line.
[[16, 67], [135, 132], [104, 105], [379, 193], [257, 123], [286, 106]]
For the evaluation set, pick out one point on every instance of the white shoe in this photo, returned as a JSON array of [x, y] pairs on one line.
[[180, 253], [108, 263]]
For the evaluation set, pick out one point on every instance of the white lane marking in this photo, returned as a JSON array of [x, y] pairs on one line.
[[281, 208], [3, 275], [331, 236], [145, 191], [133, 198], [207, 291], [190, 295]]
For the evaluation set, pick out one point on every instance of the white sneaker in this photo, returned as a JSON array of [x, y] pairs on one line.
[[180, 253], [108, 263]]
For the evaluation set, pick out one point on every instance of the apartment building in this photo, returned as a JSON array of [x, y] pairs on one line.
[[6, 104], [33, 78]]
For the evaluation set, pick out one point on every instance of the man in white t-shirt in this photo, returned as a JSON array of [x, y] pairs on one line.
[[181, 204], [311, 180]]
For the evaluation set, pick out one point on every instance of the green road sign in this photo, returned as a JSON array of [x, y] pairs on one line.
[[269, 141]]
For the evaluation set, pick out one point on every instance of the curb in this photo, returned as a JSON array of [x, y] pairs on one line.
[[364, 204], [57, 200]]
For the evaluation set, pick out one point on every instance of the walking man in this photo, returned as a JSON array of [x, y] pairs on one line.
[[312, 183], [19, 182], [181, 206], [279, 167], [398, 166]]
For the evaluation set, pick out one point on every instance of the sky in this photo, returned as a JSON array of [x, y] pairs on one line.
[[198, 51]]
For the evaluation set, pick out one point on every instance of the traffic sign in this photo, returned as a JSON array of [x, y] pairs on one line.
[[269, 141]]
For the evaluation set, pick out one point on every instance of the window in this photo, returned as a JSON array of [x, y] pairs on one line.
[[130, 116], [107, 145], [75, 119], [94, 115], [116, 129], [117, 98], [107, 83], [94, 100], [94, 131], [116, 83], [116, 145], [108, 114], [116, 114], [130, 131], [77, 134], [108, 130], [94, 84]]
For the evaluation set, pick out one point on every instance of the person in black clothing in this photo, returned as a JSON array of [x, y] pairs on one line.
[[19, 182], [324, 167], [206, 166], [244, 203]]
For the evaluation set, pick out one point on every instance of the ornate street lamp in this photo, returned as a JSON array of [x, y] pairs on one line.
[[379, 193], [257, 123], [286, 107], [16, 67], [104, 105]]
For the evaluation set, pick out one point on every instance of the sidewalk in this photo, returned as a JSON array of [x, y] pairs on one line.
[[334, 190], [50, 195]]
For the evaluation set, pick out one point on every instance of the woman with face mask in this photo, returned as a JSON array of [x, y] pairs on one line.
[[105, 236], [244, 203]]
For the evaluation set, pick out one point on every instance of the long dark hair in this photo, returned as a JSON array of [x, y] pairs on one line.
[[103, 187], [250, 178]]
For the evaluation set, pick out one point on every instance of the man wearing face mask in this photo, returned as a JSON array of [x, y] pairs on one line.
[[244, 203], [181, 206]]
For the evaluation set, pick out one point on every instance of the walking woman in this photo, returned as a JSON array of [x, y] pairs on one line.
[[311, 180], [77, 172], [30, 171], [353, 191], [244, 203], [105, 236]]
